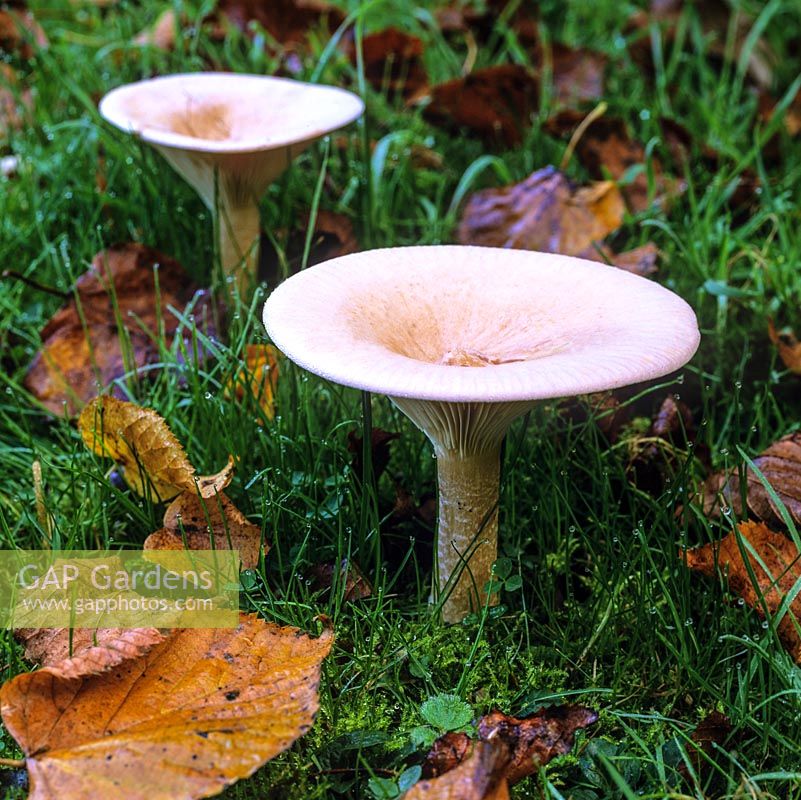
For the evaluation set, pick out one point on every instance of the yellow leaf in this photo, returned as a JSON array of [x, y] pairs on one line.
[[149, 455], [197, 713], [258, 378]]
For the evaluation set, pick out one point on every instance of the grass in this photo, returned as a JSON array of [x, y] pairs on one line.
[[605, 614]]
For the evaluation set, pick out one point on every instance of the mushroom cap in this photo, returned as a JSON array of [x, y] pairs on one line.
[[215, 112], [478, 324]]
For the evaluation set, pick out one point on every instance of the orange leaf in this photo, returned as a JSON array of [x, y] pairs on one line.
[[788, 346], [782, 569], [197, 713], [258, 379]]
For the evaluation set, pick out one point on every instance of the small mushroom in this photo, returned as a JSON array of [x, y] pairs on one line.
[[465, 339], [229, 136]]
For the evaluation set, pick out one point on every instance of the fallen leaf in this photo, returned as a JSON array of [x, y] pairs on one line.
[[791, 117], [287, 21], [496, 103], [446, 754], [258, 378], [145, 449], [83, 350], [783, 570], [15, 102], [482, 22], [80, 652], [545, 212], [577, 74], [161, 34], [355, 585], [333, 236], [639, 261], [604, 409], [195, 714], [393, 62], [20, 33], [709, 737], [208, 524], [533, 741], [607, 151], [788, 346], [379, 448], [781, 465], [479, 776]]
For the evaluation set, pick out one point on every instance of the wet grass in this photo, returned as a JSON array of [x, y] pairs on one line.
[[604, 612]]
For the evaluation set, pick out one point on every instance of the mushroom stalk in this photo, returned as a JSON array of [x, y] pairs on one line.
[[467, 443], [467, 529], [239, 228]]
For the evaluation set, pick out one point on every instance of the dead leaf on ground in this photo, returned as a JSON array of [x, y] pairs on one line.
[[214, 523], [80, 652], [195, 714], [782, 561], [788, 346], [710, 735], [287, 21], [791, 116], [333, 237], [466, 18], [75, 362], [20, 33], [545, 212], [15, 102], [605, 409], [393, 62], [607, 150], [258, 378], [577, 73], [380, 444], [508, 750], [495, 103], [781, 465], [355, 585], [162, 34], [146, 450]]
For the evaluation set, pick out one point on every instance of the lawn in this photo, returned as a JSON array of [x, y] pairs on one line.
[[597, 606]]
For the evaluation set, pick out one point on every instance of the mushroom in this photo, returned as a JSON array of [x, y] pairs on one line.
[[229, 136], [465, 339]]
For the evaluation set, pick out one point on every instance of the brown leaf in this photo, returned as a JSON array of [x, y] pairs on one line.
[[393, 62], [788, 346], [578, 74], [535, 740], [287, 21], [356, 585], [478, 777], [258, 379], [77, 362], [197, 713], [545, 212], [208, 524], [146, 450], [607, 151], [83, 651], [446, 754], [783, 562], [496, 103], [781, 465], [711, 734], [161, 35], [20, 33], [15, 103], [639, 261], [379, 448]]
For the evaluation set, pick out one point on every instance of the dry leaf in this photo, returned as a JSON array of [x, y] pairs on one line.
[[545, 212], [478, 777], [781, 465], [77, 362], [196, 714], [788, 346], [80, 652], [208, 524], [145, 449], [607, 151], [356, 586], [19, 32], [496, 103], [578, 74], [287, 21], [446, 754], [783, 562], [380, 442], [393, 62], [258, 379], [640, 261], [535, 740], [709, 737], [161, 34]]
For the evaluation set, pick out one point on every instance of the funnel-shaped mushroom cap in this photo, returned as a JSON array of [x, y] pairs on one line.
[[476, 324], [248, 123]]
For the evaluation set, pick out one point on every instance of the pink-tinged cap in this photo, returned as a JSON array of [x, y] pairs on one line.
[[478, 324], [220, 112]]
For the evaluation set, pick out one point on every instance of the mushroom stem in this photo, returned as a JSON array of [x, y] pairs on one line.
[[467, 537], [239, 229]]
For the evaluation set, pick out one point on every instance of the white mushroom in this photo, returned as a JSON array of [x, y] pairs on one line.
[[229, 136], [463, 340]]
